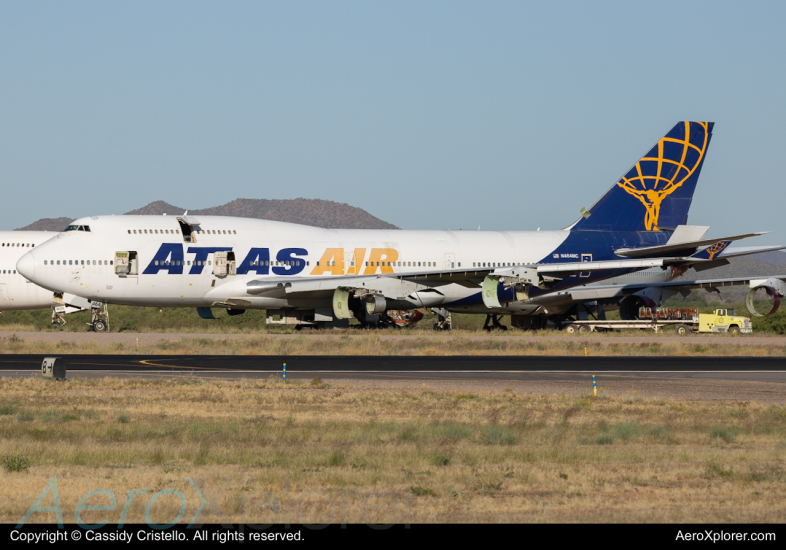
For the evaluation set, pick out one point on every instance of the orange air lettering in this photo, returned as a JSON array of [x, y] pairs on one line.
[[379, 256], [331, 262], [357, 261]]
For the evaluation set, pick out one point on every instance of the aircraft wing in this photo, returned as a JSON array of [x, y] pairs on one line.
[[597, 291], [471, 278]]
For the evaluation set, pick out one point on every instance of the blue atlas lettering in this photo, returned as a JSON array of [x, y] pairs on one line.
[[257, 260], [202, 252], [169, 258], [292, 264]]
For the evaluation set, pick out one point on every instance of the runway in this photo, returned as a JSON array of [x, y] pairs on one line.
[[761, 369]]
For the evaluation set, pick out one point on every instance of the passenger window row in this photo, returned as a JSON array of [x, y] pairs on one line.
[[182, 262], [392, 264], [26, 245], [9, 272], [177, 232], [153, 232], [77, 262]]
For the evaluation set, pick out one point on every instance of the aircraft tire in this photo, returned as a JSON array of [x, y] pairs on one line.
[[99, 326]]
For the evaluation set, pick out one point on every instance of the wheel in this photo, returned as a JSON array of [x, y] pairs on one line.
[[487, 328], [570, 329], [99, 326], [437, 327], [682, 330], [734, 329], [584, 329]]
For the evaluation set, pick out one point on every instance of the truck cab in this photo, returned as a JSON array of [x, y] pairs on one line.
[[724, 320]]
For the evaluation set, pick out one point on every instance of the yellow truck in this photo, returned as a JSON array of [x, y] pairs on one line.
[[724, 320]]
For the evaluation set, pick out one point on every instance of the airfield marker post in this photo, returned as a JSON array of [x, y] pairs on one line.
[[285, 372], [594, 387]]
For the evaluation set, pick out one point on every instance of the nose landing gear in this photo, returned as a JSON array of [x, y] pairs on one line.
[[58, 316], [99, 317]]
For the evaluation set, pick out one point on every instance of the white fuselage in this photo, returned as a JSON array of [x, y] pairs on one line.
[[170, 271]]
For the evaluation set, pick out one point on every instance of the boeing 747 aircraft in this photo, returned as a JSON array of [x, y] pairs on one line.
[[324, 277], [17, 292]]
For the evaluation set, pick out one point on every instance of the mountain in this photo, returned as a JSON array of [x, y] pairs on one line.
[[47, 224], [157, 208], [315, 212], [777, 257]]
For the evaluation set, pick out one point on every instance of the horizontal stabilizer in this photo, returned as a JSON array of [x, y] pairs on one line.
[[748, 250], [670, 247]]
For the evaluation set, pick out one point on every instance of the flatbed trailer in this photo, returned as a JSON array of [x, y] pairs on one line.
[[684, 319], [602, 325]]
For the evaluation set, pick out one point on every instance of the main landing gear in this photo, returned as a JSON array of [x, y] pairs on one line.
[[495, 324], [444, 322]]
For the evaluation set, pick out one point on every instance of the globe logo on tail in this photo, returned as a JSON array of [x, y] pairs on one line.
[[716, 249], [665, 168]]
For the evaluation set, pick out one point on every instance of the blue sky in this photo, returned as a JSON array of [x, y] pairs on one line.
[[504, 115]]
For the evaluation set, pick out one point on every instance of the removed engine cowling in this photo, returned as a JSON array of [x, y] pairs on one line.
[[498, 289], [341, 307], [351, 303], [771, 293]]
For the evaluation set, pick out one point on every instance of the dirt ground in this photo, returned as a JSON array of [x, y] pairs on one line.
[[147, 338]]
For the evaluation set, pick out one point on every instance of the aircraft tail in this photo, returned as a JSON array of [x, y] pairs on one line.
[[656, 193]]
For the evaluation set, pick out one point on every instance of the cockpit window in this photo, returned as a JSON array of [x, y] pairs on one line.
[[77, 228]]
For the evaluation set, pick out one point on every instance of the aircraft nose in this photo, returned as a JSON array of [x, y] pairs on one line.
[[26, 266]]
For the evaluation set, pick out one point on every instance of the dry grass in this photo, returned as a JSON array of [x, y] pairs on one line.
[[262, 451], [372, 344]]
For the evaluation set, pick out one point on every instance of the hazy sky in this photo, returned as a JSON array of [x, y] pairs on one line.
[[504, 115]]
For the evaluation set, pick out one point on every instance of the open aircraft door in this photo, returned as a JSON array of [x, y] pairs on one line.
[[224, 263], [126, 263], [450, 260]]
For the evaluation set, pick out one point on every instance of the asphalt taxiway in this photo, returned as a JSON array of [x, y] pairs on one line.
[[759, 369]]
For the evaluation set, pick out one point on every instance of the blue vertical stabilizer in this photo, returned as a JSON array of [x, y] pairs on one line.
[[657, 192]]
